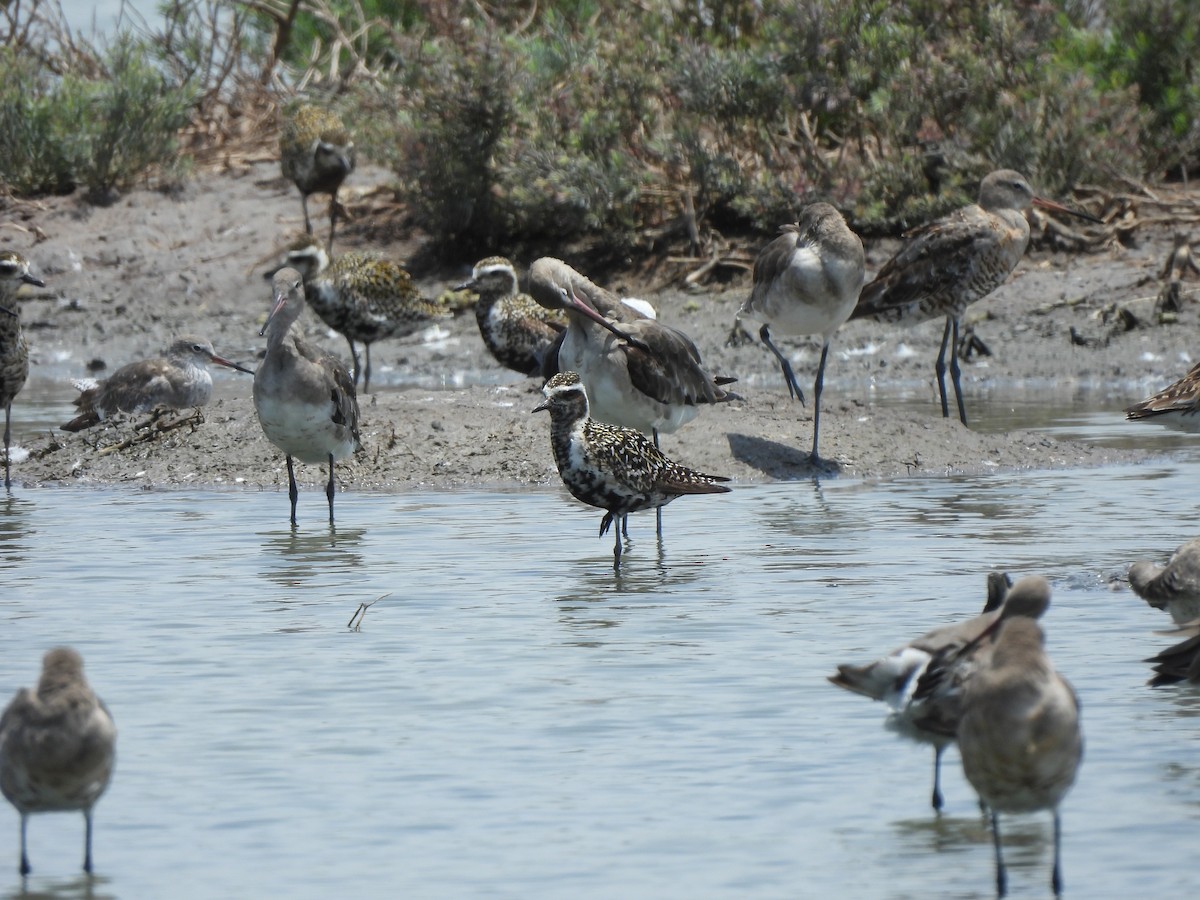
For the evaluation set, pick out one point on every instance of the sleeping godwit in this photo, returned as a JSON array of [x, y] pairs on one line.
[[610, 467], [178, 380], [57, 747], [1019, 734], [14, 352], [362, 296], [517, 331], [948, 264], [317, 153], [305, 399], [894, 679], [1174, 587], [807, 281], [1175, 405]]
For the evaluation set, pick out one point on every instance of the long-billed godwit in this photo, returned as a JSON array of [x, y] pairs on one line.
[[1174, 587]]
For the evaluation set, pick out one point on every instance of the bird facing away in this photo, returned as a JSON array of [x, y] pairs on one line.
[[807, 281], [1174, 406], [1174, 587], [304, 398], [894, 679], [517, 331], [14, 352], [1019, 735], [57, 747], [177, 381], [317, 153], [1181, 661], [948, 264], [610, 467], [361, 296], [639, 373]]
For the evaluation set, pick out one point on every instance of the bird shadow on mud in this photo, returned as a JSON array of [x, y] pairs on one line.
[[779, 461]]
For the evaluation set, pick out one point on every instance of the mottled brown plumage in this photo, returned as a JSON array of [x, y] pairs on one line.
[[177, 381], [517, 330], [317, 153], [14, 351], [610, 467], [1175, 405], [361, 296], [57, 747], [948, 264]]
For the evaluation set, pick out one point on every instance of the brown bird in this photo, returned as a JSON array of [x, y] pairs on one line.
[[1180, 261], [14, 351], [1174, 406], [1019, 735], [1174, 587], [807, 281], [57, 747], [947, 265], [317, 153], [177, 381]]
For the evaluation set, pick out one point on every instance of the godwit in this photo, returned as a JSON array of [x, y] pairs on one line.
[[1174, 406], [518, 331], [948, 264], [1019, 734], [807, 281], [610, 467], [57, 747], [317, 153], [1174, 587], [894, 679], [178, 380], [1181, 661], [14, 352], [362, 297], [305, 399]]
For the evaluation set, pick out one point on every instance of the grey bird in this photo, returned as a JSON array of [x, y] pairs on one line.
[[57, 747], [1174, 587], [317, 153], [807, 281], [14, 351]]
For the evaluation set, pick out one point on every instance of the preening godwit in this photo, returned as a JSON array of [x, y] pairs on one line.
[[1174, 587]]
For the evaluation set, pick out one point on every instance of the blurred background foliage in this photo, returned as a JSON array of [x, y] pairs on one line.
[[629, 127]]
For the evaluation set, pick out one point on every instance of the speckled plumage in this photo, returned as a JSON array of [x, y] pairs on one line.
[[610, 467], [177, 381], [517, 330], [317, 153], [305, 399], [57, 747], [1175, 405], [807, 281], [14, 351], [949, 264], [362, 296]]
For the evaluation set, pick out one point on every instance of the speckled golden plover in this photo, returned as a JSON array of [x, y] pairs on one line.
[[317, 153], [517, 330]]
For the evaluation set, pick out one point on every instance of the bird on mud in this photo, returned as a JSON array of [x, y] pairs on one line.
[[14, 351], [317, 153]]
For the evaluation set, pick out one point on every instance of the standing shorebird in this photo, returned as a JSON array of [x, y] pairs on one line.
[[894, 679], [177, 381], [1174, 587], [361, 296], [57, 747], [14, 352], [1019, 735], [948, 264], [317, 153], [1174, 406], [807, 281], [610, 467], [517, 330], [305, 399]]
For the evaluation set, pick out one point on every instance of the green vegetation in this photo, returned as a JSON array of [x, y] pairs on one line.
[[629, 127]]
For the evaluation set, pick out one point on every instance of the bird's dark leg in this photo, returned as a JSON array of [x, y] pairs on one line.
[[307, 221], [818, 386], [333, 207], [788, 375], [955, 375], [937, 778], [940, 367], [25, 868], [1001, 877], [87, 841], [367, 370], [7, 444], [293, 492], [329, 490], [657, 510], [357, 367], [1056, 875]]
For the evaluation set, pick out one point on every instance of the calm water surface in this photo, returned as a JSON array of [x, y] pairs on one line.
[[513, 720]]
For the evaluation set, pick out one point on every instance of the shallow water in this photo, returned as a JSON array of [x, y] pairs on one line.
[[514, 720]]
